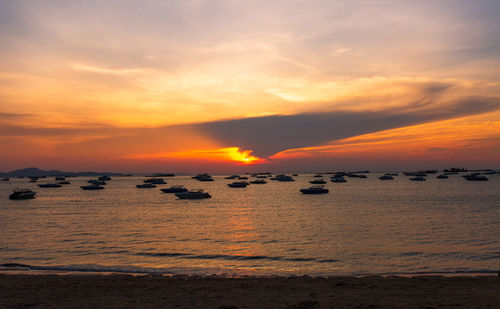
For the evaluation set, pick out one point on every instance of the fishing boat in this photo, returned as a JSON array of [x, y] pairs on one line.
[[22, 194], [92, 187], [49, 185], [146, 186], [258, 182], [174, 189], [338, 179], [475, 177], [195, 194], [317, 181], [319, 189], [155, 181], [386, 177]]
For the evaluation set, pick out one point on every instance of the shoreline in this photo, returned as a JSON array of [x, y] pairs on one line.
[[25, 269], [179, 291]]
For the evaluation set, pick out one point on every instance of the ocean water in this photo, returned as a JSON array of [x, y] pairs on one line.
[[364, 226]]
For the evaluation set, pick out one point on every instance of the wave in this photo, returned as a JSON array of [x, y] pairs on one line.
[[234, 257], [93, 268]]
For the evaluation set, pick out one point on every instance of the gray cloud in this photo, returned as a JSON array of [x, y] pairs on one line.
[[269, 135]]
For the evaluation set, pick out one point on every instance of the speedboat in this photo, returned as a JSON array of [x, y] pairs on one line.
[[258, 181], [49, 185], [475, 177], [92, 187], [238, 184], [285, 178], [317, 181], [146, 186], [195, 194], [319, 189], [203, 177], [386, 177], [174, 189], [338, 179], [156, 181], [418, 178], [97, 182], [22, 194]]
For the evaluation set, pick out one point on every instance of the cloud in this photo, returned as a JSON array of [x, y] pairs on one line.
[[272, 134]]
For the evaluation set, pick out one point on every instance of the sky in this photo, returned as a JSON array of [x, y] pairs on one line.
[[233, 86]]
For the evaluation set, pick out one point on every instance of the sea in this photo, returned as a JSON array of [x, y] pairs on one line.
[[361, 227]]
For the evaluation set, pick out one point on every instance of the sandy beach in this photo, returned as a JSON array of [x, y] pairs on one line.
[[125, 291]]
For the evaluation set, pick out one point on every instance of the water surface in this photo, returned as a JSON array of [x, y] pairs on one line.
[[364, 226]]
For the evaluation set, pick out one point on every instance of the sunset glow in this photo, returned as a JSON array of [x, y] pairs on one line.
[[233, 154]]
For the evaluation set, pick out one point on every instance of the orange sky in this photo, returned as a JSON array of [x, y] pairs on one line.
[[143, 86]]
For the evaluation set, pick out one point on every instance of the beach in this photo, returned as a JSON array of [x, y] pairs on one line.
[[156, 291]]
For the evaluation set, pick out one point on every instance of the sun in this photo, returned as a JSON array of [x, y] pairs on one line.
[[237, 155]]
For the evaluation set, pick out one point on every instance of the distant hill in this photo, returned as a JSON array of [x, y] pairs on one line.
[[36, 172]]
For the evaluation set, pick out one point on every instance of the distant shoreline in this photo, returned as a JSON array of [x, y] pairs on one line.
[[154, 291]]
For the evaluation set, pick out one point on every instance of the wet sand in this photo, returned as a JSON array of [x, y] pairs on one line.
[[125, 291]]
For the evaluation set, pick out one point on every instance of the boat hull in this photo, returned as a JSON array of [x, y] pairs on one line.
[[24, 196], [186, 196], [307, 191]]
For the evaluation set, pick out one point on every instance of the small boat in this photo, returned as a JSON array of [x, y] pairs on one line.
[[285, 178], [475, 177], [33, 180], [295, 175], [258, 182], [97, 182], [203, 177], [65, 182], [92, 187], [156, 181], [338, 179], [242, 177], [104, 178], [232, 177], [318, 176], [442, 176], [22, 194], [317, 181], [49, 185], [146, 186], [195, 194], [174, 189], [319, 189], [59, 178], [417, 178], [386, 177], [238, 184], [5, 179]]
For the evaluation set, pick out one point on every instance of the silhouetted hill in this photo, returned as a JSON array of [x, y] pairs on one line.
[[33, 171]]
